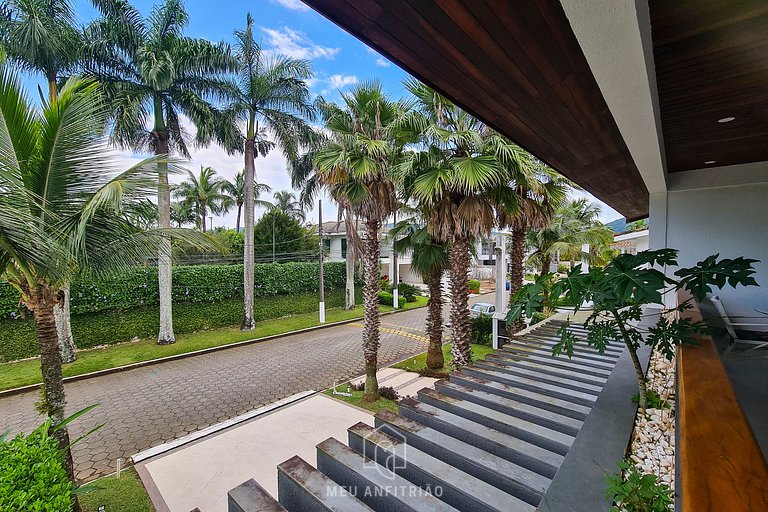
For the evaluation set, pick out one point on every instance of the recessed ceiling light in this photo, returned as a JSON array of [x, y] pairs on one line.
[[710, 162], [726, 120]]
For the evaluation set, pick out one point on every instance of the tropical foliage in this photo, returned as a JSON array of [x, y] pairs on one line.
[[286, 202], [618, 293], [279, 237], [205, 193], [235, 189]]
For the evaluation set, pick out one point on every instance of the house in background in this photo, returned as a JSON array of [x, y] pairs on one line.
[[631, 242]]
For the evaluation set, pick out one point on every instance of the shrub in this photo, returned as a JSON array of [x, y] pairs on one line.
[[389, 392], [634, 491], [474, 285], [110, 327], [563, 268], [387, 299], [409, 291], [32, 474], [482, 330]]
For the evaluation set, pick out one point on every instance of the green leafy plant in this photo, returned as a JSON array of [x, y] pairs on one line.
[[387, 299], [632, 491], [482, 330], [654, 400], [618, 293], [473, 285]]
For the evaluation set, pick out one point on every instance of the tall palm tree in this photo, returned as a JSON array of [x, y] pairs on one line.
[[429, 259], [575, 223], [464, 177], [64, 206], [205, 193], [356, 162], [41, 36], [150, 70], [236, 191], [181, 213], [286, 202], [270, 97]]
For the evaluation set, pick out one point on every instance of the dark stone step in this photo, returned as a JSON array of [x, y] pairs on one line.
[[375, 486], [580, 348], [516, 480], [450, 484], [528, 431], [597, 364], [524, 411], [572, 384], [517, 451], [251, 497], [614, 349], [575, 372], [562, 393], [302, 488], [566, 408]]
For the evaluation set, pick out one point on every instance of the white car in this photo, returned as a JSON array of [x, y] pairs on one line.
[[481, 308]]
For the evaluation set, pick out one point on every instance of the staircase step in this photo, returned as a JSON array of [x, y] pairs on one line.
[[575, 385], [249, 497], [540, 387], [302, 488], [457, 488], [517, 451], [507, 476], [512, 407], [613, 350], [596, 362], [377, 487], [580, 350], [552, 367], [563, 407]]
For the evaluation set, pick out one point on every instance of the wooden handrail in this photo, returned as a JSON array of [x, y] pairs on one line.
[[721, 466]]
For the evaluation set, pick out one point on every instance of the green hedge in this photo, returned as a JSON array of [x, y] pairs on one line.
[[32, 474], [17, 337], [191, 284]]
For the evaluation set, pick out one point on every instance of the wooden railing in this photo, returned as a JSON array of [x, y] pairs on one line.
[[721, 466]]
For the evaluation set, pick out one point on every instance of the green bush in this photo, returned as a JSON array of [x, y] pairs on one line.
[[32, 474], [473, 285], [408, 291], [110, 327], [563, 268], [482, 330], [195, 284], [388, 299], [633, 491]]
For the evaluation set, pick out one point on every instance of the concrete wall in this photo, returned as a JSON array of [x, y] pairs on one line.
[[731, 221]]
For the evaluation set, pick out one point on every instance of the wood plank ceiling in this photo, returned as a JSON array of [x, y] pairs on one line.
[[712, 63], [518, 67]]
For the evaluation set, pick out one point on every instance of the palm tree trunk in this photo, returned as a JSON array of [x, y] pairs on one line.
[[165, 335], [371, 313], [248, 265], [64, 326], [349, 295], [435, 359], [43, 301], [516, 273], [204, 212], [546, 262], [237, 224], [458, 261]]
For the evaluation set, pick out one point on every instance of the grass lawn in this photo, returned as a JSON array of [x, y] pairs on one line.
[[124, 494], [23, 373], [357, 399], [419, 362]]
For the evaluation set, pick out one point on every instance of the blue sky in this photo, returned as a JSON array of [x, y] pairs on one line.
[[291, 28]]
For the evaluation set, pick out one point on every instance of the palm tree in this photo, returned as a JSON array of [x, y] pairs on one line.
[[64, 210], [429, 259], [150, 70], [286, 202], [236, 191], [464, 177], [270, 97], [355, 162], [181, 213], [205, 193], [576, 223], [41, 36]]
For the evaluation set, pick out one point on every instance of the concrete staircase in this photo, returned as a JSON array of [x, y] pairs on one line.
[[491, 438]]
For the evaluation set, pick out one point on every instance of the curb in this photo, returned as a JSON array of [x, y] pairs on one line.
[[141, 364]]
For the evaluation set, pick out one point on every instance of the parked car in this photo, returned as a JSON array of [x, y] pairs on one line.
[[481, 308]]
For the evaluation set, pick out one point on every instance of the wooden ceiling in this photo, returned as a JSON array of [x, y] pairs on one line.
[[517, 66], [711, 63]]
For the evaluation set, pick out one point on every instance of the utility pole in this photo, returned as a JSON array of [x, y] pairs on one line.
[[320, 236], [273, 237], [395, 269]]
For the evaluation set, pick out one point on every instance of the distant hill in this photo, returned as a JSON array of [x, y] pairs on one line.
[[618, 225]]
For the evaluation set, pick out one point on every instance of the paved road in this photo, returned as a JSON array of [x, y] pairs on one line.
[[148, 406]]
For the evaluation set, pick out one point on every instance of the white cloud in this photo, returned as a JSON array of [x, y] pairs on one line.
[[294, 5], [381, 61], [339, 81], [297, 45]]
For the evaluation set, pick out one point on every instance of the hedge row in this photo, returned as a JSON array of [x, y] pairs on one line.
[[192, 284], [108, 327]]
